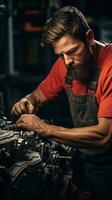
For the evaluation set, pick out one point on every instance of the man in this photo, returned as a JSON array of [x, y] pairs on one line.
[[84, 72]]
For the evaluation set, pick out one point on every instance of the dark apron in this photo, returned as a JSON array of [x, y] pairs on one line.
[[97, 162]]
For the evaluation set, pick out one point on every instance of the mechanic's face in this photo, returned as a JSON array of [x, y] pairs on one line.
[[75, 54]]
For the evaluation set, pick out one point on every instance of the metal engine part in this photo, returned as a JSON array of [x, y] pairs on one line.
[[32, 167]]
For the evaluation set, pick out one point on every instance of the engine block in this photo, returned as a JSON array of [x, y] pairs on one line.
[[32, 166]]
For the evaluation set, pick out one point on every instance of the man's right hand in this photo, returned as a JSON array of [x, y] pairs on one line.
[[22, 106]]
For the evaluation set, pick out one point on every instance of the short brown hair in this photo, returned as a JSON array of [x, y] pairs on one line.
[[67, 20]]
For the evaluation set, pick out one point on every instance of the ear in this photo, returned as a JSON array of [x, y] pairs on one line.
[[90, 37]]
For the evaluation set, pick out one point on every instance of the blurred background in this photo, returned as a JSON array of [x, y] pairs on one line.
[[24, 63]]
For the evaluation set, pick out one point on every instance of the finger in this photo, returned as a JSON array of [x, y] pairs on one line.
[[20, 125], [16, 110], [29, 107], [19, 120], [23, 107], [13, 112], [19, 108]]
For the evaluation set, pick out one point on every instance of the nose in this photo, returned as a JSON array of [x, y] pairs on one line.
[[67, 59]]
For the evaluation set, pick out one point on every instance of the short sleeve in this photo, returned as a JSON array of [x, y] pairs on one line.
[[53, 84], [105, 105]]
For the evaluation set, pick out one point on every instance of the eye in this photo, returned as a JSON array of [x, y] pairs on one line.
[[72, 51]]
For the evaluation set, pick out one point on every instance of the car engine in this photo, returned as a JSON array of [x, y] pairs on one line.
[[33, 167]]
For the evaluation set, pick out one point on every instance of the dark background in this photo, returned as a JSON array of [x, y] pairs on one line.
[[24, 63]]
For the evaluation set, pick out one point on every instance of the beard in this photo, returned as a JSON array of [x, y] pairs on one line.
[[83, 72]]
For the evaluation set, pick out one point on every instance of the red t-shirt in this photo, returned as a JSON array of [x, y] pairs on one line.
[[54, 83]]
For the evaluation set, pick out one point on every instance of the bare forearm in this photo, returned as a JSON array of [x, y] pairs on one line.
[[36, 97], [92, 136], [98, 136], [78, 136]]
